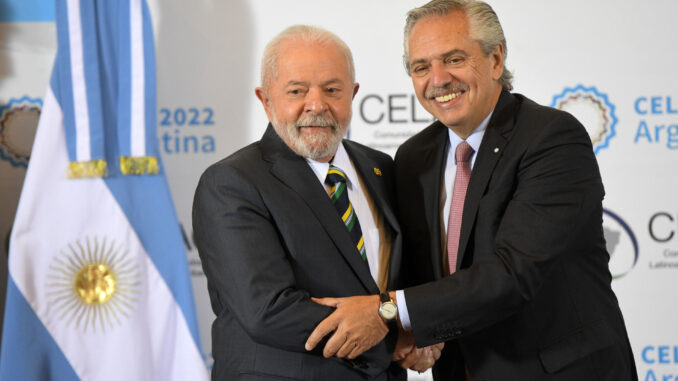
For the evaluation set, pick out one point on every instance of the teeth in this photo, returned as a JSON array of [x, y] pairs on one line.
[[448, 97]]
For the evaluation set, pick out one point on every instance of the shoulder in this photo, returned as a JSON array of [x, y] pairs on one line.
[[428, 135], [238, 164], [425, 141], [542, 115]]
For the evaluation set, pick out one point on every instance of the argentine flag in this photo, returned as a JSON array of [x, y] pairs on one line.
[[99, 287]]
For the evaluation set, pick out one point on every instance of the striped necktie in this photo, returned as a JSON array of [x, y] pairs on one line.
[[336, 179]]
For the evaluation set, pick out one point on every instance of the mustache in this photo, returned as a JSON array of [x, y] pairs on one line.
[[317, 120], [433, 92]]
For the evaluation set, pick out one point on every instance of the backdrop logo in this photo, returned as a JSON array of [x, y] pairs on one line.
[[18, 123], [593, 109], [662, 229], [621, 244]]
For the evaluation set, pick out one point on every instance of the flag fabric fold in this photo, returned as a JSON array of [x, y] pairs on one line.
[[99, 287]]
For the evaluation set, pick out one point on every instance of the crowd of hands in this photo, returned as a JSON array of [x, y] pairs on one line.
[[356, 327]]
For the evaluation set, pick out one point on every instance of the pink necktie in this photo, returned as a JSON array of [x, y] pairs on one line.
[[463, 156]]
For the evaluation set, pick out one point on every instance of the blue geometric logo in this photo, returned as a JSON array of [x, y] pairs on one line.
[[621, 244], [593, 109], [18, 123]]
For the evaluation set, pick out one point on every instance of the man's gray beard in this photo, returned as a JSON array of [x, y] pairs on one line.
[[313, 146]]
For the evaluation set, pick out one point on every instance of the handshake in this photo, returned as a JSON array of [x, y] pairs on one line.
[[358, 327]]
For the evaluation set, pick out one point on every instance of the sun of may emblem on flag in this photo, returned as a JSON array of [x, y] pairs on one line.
[[94, 284]]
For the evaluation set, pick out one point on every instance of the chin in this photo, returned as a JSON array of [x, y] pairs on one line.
[[315, 147]]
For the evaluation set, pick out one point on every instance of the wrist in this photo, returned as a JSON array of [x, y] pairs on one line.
[[388, 310]]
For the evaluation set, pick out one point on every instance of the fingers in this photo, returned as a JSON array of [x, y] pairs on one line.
[[334, 344], [347, 349], [420, 359], [323, 329], [411, 358], [351, 347], [356, 325], [425, 362], [330, 302], [397, 356], [401, 353], [437, 350], [357, 351]]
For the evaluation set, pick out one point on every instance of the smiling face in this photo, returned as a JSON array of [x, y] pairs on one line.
[[452, 77], [309, 100]]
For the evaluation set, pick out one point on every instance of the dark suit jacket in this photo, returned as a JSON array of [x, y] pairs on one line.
[[269, 238], [531, 298]]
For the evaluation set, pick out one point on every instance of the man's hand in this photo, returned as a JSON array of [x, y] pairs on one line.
[[356, 324], [404, 345], [421, 359]]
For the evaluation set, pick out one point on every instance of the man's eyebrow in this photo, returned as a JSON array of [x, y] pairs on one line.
[[332, 82], [440, 57], [453, 52], [296, 83]]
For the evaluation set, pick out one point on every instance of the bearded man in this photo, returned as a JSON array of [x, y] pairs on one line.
[[274, 226]]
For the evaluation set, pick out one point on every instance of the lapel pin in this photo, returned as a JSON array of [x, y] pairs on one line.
[[496, 149], [377, 171]]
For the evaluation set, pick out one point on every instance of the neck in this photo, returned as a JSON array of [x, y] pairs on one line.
[[325, 159], [464, 131]]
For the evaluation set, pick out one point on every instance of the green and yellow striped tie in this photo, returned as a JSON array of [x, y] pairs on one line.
[[336, 179]]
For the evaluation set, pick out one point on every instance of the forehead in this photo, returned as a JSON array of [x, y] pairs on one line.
[[436, 34], [310, 61]]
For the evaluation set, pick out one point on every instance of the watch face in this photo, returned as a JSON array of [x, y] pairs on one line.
[[389, 311]]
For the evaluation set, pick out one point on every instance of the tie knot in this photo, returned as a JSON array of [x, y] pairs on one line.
[[463, 152], [335, 175]]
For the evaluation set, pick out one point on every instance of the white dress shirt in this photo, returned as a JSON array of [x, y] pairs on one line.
[[446, 196]]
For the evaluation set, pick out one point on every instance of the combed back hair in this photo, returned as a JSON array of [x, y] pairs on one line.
[[302, 33], [484, 24]]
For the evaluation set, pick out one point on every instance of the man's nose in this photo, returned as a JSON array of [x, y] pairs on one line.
[[440, 76], [315, 101]]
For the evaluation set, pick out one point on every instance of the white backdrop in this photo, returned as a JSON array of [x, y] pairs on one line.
[[610, 63]]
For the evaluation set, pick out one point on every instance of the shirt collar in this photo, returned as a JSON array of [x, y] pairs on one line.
[[340, 160]]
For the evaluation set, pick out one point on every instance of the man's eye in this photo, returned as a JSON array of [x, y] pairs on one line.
[[332, 90], [454, 60], [294, 92], [419, 69]]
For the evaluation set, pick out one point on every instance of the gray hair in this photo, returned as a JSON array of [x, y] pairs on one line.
[[484, 24], [304, 33]]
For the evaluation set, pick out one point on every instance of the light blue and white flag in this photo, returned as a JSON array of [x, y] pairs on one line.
[[99, 287]]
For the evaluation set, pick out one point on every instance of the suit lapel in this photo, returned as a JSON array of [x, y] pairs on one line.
[[294, 171], [366, 168], [383, 198], [491, 150], [431, 177]]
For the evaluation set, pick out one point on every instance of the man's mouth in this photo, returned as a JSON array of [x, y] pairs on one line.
[[316, 122], [447, 97]]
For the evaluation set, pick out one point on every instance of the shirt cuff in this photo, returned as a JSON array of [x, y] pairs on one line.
[[402, 310]]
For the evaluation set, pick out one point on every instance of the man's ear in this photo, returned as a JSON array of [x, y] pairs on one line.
[[262, 94], [497, 57], [356, 86]]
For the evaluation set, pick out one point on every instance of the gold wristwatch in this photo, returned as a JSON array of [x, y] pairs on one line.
[[388, 310]]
